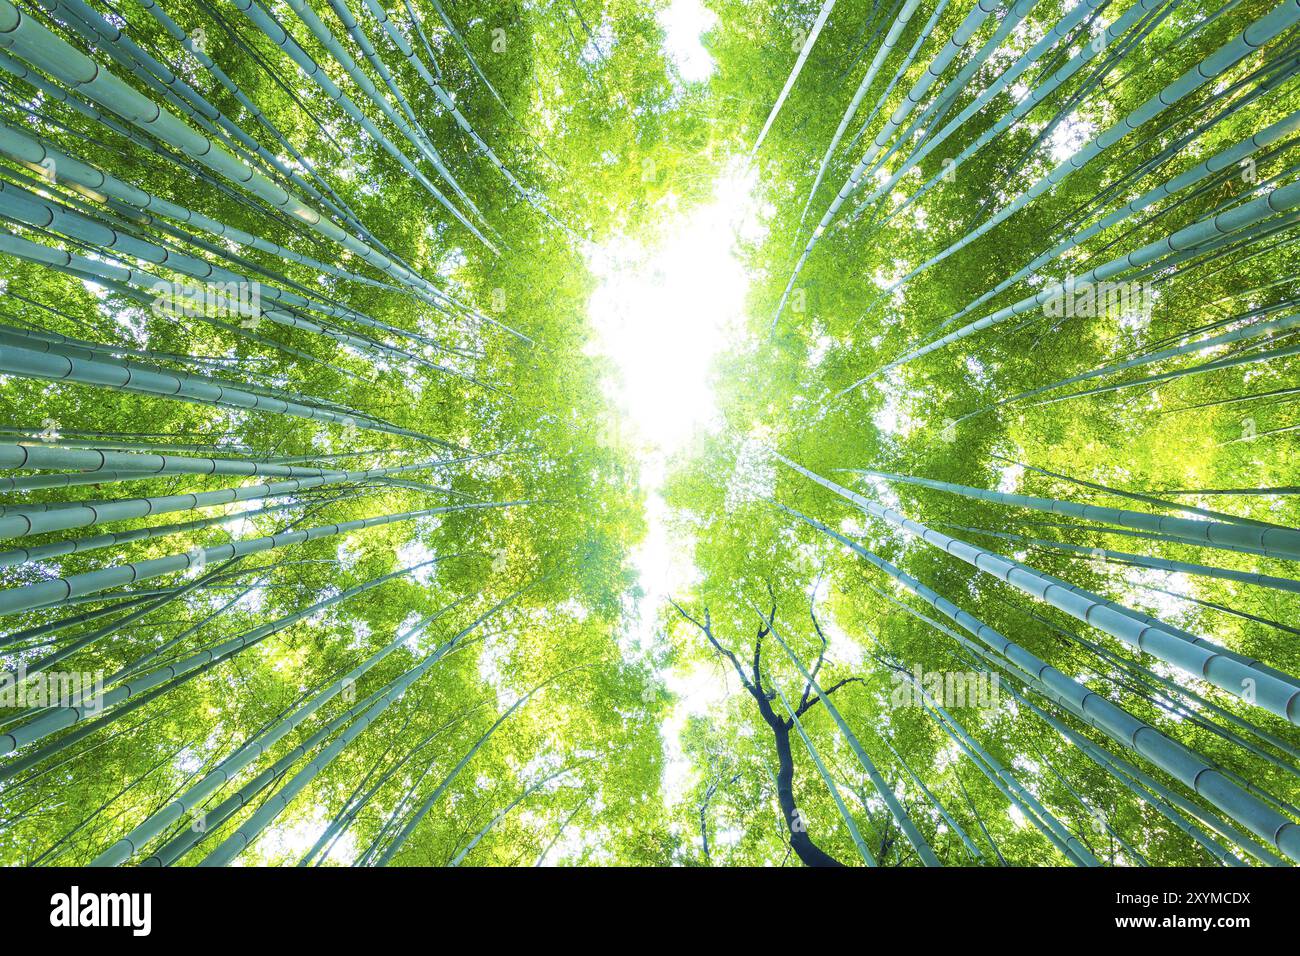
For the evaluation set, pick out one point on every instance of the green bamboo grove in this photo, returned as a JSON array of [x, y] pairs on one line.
[[327, 540]]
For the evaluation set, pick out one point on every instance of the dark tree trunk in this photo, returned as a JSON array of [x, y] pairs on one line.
[[802, 844], [809, 853]]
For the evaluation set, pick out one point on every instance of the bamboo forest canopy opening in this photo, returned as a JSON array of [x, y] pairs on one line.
[[596, 432], [661, 316]]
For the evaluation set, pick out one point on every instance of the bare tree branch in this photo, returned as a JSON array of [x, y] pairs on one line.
[[826, 693], [706, 629], [796, 830], [704, 809], [758, 645], [821, 656]]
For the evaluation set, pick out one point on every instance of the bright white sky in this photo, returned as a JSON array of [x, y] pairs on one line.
[[684, 21], [661, 316]]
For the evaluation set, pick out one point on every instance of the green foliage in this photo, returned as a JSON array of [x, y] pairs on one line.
[[938, 417], [423, 305], [529, 408]]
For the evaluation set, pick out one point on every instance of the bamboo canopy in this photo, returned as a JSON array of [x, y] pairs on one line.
[[475, 434]]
